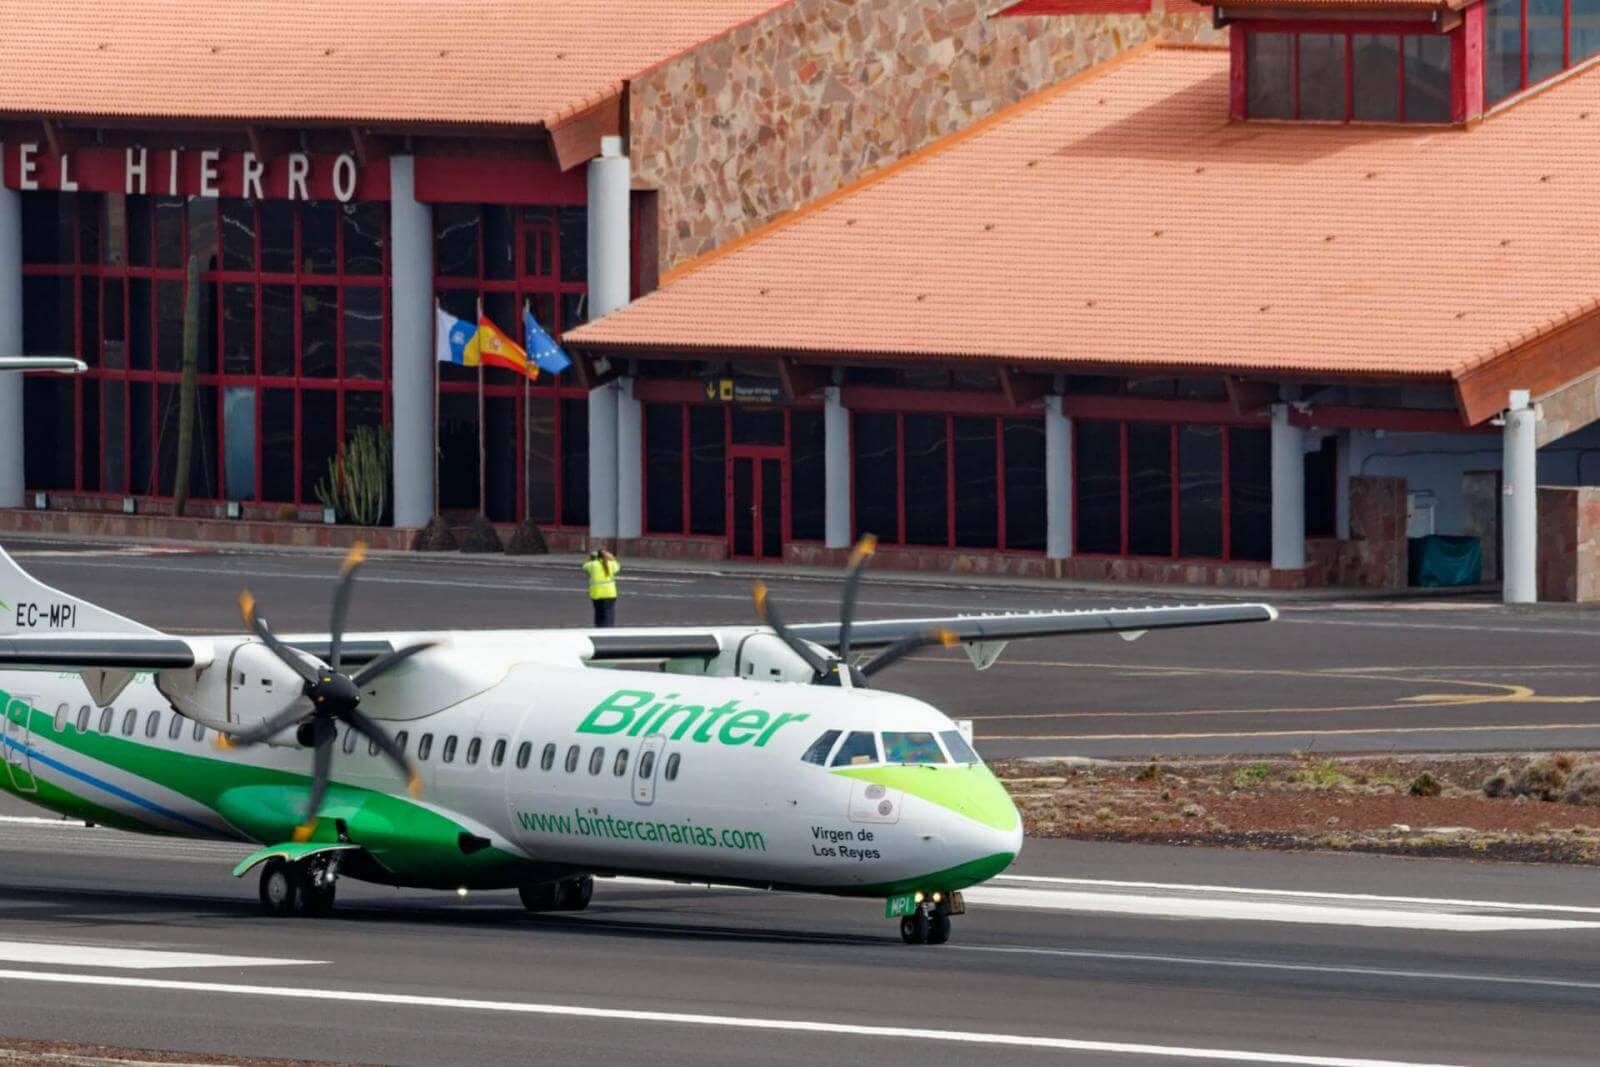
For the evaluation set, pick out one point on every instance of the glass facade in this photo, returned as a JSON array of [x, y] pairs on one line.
[[1527, 41], [1349, 77]]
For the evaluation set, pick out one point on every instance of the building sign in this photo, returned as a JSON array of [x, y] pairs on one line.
[[734, 390], [208, 172]]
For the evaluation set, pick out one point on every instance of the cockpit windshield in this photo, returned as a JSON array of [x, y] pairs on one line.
[[860, 747], [911, 748], [956, 745]]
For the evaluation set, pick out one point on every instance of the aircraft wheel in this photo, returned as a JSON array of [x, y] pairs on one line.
[[279, 889], [316, 899], [539, 896], [914, 928], [573, 894], [939, 927]]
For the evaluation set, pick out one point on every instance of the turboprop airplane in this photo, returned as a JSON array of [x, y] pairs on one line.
[[748, 755]]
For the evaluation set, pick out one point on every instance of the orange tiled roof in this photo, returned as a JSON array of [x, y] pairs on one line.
[[517, 62], [1122, 221]]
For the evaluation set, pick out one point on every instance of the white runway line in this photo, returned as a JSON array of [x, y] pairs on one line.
[[135, 959], [735, 1022]]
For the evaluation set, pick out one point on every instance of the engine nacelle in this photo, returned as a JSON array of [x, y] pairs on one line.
[[244, 685]]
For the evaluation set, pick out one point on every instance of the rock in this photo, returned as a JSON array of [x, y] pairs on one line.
[[1521, 800], [1400, 828], [1583, 785], [1333, 820], [435, 537], [527, 540], [1191, 811], [482, 537]]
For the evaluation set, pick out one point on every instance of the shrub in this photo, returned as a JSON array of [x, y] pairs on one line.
[[1498, 784], [1251, 775], [1583, 785], [357, 484], [1544, 778], [1425, 785]]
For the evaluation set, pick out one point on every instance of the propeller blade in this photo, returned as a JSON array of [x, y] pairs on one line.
[[341, 600], [256, 734], [905, 646], [769, 615], [387, 745], [322, 764], [247, 607], [859, 557], [388, 661]]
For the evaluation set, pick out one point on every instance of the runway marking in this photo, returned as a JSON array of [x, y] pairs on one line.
[[1267, 965], [1305, 731], [59, 955], [823, 1028]]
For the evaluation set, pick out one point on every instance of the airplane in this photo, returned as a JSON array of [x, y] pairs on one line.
[[759, 756]]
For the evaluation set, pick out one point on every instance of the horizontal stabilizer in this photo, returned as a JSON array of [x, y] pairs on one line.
[[884, 632]]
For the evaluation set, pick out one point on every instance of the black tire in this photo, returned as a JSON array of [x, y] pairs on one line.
[[914, 928], [539, 896], [280, 889], [939, 927], [574, 894], [316, 902]]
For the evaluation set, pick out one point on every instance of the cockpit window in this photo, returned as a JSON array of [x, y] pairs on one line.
[[956, 745], [859, 747], [818, 752], [911, 748]]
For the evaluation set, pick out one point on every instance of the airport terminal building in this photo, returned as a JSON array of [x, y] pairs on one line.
[[1017, 291]]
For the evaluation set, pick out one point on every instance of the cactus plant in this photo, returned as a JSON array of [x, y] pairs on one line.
[[357, 483]]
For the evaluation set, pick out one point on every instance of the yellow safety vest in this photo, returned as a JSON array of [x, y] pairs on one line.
[[602, 579]]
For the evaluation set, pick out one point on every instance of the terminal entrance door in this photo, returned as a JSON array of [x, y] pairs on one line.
[[755, 525]]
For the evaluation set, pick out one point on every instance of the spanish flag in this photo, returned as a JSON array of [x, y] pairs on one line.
[[498, 350]]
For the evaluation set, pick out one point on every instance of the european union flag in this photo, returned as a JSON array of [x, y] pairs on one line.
[[542, 348]]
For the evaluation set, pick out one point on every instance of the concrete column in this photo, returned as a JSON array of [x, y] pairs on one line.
[[630, 461], [836, 469], [1057, 480], [1520, 509], [411, 297], [609, 233], [1288, 492], [12, 470]]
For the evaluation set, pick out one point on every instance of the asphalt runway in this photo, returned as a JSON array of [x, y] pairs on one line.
[[1336, 676], [1084, 953]]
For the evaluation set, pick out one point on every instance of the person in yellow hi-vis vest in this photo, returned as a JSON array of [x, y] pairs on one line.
[[602, 569]]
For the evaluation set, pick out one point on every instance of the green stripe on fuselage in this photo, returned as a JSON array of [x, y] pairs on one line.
[[967, 789]]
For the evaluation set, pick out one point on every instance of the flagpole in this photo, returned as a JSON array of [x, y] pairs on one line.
[[483, 452], [436, 412], [527, 438]]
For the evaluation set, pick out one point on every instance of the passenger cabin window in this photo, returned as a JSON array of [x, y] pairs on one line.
[[350, 739], [61, 717], [671, 771], [400, 740], [573, 755], [859, 747], [199, 731], [497, 755], [647, 765], [911, 748], [620, 768], [105, 720], [130, 721], [474, 750], [152, 725], [424, 746], [449, 753], [547, 758], [176, 729], [956, 745], [83, 718], [597, 760], [524, 754], [372, 747], [818, 752]]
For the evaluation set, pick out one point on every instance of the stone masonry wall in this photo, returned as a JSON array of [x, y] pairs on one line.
[[819, 93], [1569, 544], [1375, 555]]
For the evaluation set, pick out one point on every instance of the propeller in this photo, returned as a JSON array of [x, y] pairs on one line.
[[335, 697], [837, 669]]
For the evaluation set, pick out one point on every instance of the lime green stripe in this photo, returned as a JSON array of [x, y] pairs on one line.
[[971, 790]]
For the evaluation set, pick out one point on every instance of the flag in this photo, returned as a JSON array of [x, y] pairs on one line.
[[454, 340], [547, 355], [498, 350]]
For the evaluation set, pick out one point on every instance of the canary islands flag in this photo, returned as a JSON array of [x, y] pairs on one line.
[[547, 355], [454, 340]]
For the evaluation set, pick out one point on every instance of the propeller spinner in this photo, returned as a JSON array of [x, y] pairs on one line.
[[334, 696], [837, 669]]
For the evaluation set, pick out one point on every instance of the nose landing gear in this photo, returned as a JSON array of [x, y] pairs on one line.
[[929, 924], [569, 894]]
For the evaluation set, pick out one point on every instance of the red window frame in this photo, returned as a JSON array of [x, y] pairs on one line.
[[1522, 35], [1348, 31], [952, 487], [85, 274], [1175, 475]]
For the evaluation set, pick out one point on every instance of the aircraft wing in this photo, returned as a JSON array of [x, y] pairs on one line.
[[60, 364], [1008, 627], [131, 652]]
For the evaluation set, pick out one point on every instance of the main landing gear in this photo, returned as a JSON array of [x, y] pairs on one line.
[[569, 894], [304, 889], [929, 924]]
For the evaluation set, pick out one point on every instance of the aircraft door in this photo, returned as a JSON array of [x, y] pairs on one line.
[[19, 760], [647, 768]]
